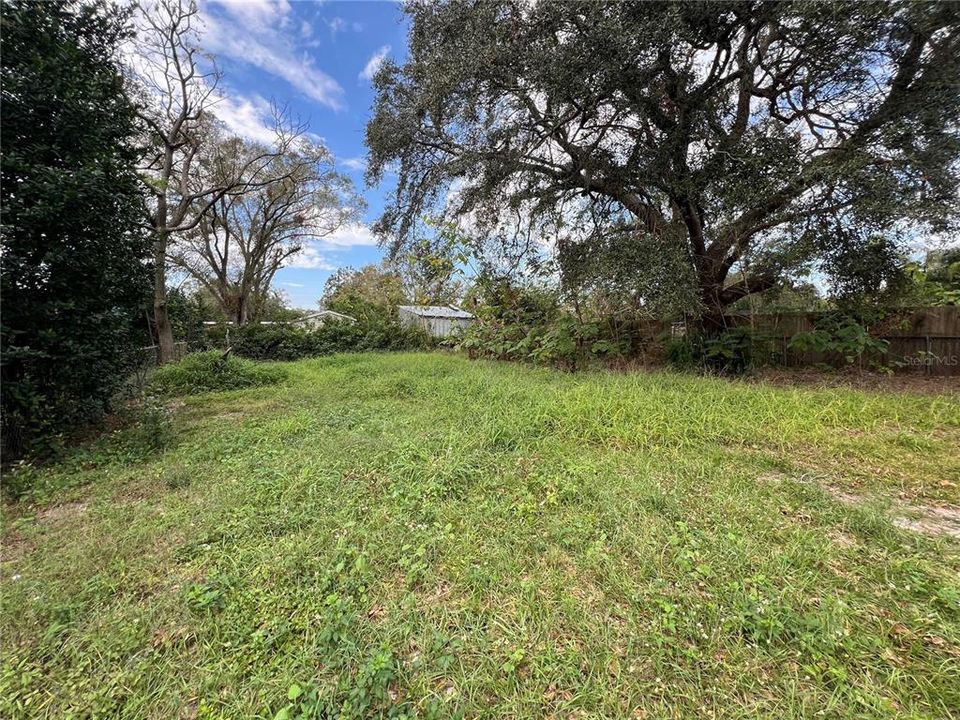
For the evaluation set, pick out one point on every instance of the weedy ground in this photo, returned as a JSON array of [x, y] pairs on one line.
[[419, 535]]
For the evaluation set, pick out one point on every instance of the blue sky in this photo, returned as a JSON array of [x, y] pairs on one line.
[[316, 58]]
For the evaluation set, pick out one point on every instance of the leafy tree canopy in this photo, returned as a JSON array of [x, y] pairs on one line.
[[752, 138], [370, 292], [73, 276]]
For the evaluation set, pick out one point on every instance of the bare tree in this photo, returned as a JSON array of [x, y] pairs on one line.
[[242, 239], [179, 93]]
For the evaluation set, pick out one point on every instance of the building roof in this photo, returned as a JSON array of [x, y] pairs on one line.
[[324, 313], [437, 311]]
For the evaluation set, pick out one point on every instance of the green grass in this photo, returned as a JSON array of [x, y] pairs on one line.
[[424, 536]]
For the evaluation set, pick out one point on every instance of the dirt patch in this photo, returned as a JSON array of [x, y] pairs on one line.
[[62, 512], [843, 496], [231, 415], [842, 539], [13, 547], [934, 520], [930, 520]]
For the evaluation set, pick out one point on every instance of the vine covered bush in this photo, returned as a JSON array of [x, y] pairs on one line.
[[533, 325]]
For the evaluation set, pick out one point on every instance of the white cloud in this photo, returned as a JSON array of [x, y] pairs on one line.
[[293, 285], [374, 63], [246, 116], [354, 163], [314, 254], [255, 11], [310, 258], [258, 33], [349, 236], [338, 24]]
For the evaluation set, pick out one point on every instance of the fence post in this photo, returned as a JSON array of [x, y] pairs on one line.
[[928, 366]]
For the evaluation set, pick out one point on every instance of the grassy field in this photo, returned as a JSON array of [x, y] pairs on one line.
[[425, 536]]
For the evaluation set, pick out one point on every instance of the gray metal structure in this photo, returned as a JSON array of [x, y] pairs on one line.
[[439, 321]]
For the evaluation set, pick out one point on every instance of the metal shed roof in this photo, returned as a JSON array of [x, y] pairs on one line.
[[437, 311], [324, 313]]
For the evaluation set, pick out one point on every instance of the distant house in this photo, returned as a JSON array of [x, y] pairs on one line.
[[316, 319], [439, 320], [310, 320]]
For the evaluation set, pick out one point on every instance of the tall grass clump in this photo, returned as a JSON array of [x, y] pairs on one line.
[[211, 371]]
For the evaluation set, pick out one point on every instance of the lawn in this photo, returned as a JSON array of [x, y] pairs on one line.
[[419, 535]]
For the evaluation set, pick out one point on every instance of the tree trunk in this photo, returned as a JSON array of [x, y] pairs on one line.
[[242, 315], [712, 318], [160, 314]]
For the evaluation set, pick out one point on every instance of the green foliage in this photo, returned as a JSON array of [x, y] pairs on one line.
[[612, 271], [731, 352], [187, 312], [843, 339], [563, 342], [152, 425], [367, 694], [432, 267], [790, 296], [937, 280], [211, 371], [663, 157], [285, 342], [371, 293], [529, 324], [866, 272], [73, 276], [683, 353], [205, 596]]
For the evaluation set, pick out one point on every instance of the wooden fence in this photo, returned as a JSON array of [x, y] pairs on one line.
[[921, 340]]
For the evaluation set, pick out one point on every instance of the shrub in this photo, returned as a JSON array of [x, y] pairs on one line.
[[273, 342], [732, 352], [563, 341], [842, 339], [283, 342], [152, 426], [212, 370], [72, 277], [683, 353]]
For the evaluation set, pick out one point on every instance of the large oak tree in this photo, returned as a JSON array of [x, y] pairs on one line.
[[751, 137]]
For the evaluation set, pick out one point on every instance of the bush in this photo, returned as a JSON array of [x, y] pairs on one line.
[[563, 341], [72, 277], [842, 339], [283, 342], [732, 352], [210, 371], [683, 353]]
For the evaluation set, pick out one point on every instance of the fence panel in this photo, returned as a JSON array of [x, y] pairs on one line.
[[921, 340]]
